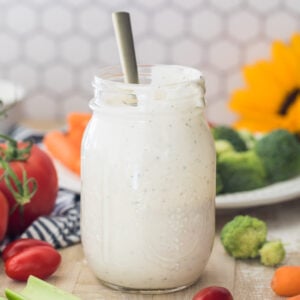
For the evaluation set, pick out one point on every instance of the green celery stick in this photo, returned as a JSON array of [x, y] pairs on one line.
[[11, 295], [37, 289]]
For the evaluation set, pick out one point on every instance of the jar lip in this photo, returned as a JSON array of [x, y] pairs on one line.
[[113, 76]]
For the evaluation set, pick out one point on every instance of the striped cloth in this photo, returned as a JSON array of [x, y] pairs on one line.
[[62, 227]]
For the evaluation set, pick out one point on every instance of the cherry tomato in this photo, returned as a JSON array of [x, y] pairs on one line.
[[3, 216], [213, 293], [39, 261], [19, 245], [40, 167]]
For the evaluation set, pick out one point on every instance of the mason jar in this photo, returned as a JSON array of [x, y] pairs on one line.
[[148, 180]]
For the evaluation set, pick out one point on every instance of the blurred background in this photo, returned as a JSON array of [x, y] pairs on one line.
[[54, 48]]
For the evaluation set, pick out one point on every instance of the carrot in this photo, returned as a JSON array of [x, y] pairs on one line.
[[286, 281], [78, 120], [75, 137], [65, 147], [77, 123], [63, 150], [294, 298]]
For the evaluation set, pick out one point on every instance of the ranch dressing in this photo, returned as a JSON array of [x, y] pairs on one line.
[[148, 180]]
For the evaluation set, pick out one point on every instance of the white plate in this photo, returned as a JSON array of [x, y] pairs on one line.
[[66, 178], [275, 193]]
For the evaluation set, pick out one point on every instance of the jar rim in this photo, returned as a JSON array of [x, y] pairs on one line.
[[160, 85], [114, 76]]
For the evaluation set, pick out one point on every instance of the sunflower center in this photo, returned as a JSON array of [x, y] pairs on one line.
[[288, 101]]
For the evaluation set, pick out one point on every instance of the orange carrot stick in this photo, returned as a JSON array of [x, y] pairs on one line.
[[78, 120], [65, 147], [286, 281], [63, 150], [77, 123]]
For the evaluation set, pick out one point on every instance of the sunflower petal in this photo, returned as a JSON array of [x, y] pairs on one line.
[[252, 99], [295, 44], [260, 123], [285, 65]]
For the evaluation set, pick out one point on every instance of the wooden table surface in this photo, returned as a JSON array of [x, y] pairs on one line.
[[248, 280]]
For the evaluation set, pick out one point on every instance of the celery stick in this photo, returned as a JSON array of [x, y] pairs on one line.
[[37, 289], [11, 295]]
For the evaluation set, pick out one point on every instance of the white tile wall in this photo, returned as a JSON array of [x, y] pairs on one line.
[[55, 47]]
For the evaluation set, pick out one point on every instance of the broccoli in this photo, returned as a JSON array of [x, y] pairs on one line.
[[241, 171], [230, 135], [248, 138], [243, 236], [280, 153], [219, 184], [223, 146], [272, 253]]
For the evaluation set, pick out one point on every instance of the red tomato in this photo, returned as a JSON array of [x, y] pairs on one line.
[[3, 216], [213, 293], [19, 245], [40, 167], [39, 261]]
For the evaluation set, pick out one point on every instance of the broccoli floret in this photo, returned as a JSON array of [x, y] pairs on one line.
[[223, 146], [241, 171], [219, 184], [248, 138], [272, 253], [280, 153], [243, 236], [230, 135]]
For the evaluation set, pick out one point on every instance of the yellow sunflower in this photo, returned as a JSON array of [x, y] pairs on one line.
[[271, 98]]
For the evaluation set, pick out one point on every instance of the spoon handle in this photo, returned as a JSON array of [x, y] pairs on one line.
[[123, 32]]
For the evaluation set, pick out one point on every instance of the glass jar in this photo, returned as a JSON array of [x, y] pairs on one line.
[[148, 180]]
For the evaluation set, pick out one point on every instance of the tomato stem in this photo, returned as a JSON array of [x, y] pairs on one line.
[[22, 191], [12, 152]]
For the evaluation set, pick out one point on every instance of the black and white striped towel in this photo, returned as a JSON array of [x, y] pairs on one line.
[[62, 227]]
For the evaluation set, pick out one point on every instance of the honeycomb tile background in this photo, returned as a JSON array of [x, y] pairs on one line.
[[53, 48]]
